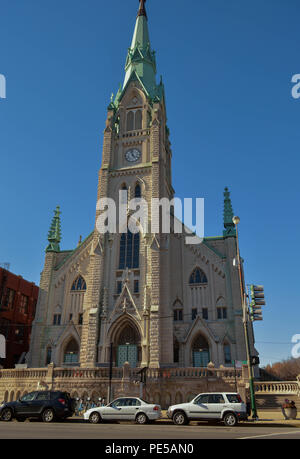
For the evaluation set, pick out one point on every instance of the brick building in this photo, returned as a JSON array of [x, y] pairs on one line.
[[18, 299]]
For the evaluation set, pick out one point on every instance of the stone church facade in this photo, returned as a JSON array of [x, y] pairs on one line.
[[148, 299]]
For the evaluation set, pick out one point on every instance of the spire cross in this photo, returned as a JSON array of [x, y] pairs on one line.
[[142, 8]]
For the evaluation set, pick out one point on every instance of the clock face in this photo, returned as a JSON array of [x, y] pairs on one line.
[[133, 155]]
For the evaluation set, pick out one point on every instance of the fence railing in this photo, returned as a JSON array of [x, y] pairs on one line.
[[284, 387]]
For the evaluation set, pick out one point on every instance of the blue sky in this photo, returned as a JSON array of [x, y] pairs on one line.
[[227, 68]]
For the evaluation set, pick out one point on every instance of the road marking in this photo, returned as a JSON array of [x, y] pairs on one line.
[[270, 435]]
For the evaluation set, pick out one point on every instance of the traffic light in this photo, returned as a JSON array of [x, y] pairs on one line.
[[257, 296], [255, 360]]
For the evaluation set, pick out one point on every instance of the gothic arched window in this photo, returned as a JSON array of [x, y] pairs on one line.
[[138, 120], [138, 191], [227, 353], [124, 197], [129, 251], [130, 121], [79, 285], [198, 277], [48, 355]]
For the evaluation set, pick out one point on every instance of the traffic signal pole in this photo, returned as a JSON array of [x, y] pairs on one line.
[[245, 324]]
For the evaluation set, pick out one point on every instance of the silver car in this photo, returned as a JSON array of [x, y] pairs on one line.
[[124, 409], [221, 406]]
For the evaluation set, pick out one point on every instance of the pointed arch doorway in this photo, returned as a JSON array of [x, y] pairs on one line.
[[200, 352], [128, 347]]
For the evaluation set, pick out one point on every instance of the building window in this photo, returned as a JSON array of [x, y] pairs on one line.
[[80, 319], [23, 307], [134, 120], [138, 120], [70, 317], [198, 277], [138, 191], [194, 314], [130, 121], [79, 285], [222, 313], [119, 287], [124, 194], [227, 354], [178, 315], [56, 319], [9, 297], [129, 250], [136, 286], [48, 355], [176, 351], [205, 313]]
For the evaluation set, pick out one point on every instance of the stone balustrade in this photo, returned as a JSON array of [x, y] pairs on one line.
[[138, 133], [276, 388], [163, 385]]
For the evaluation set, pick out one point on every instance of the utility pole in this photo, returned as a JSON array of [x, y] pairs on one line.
[[236, 221], [110, 373]]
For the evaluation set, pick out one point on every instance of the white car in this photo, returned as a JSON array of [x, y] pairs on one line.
[[124, 409], [221, 406]]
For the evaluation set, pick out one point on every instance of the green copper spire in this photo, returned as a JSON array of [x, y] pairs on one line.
[[54, 235], [141, 63], [228, 215]]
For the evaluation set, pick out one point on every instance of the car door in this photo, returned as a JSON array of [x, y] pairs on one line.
[[40, 401], [129, 409], [112, 411], [216, 404], [199, 408], [24, 406]]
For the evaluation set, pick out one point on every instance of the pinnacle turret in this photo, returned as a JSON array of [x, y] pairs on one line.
[[54, 235], [228, 215]]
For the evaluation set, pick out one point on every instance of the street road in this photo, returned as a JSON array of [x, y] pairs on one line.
[[77, 429]]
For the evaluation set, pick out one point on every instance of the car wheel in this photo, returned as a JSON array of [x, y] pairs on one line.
[[48, 415], [230, 420], [95, 418], [6, 415], [180, 418], [141, 419]]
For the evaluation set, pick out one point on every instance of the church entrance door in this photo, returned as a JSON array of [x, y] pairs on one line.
[[128, 353]]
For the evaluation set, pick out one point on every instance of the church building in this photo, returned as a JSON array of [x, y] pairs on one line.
[[148, 299]]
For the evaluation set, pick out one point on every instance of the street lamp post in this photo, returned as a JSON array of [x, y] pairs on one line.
[[236, 221]]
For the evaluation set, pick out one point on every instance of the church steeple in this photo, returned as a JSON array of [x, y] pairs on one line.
[[141, 63], [142, 8], [228, 215], [54, 235]]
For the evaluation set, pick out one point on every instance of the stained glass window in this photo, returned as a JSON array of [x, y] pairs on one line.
[[129, 251], [79, 285], [138, 191], [198, 277]]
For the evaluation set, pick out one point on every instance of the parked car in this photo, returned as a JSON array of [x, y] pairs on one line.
[[46, 405], [124, 409], [222, 406]]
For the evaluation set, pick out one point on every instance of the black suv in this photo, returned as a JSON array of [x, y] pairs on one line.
[[45, 405]]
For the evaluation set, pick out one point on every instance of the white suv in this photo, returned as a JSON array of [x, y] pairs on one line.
[[223, 406]]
